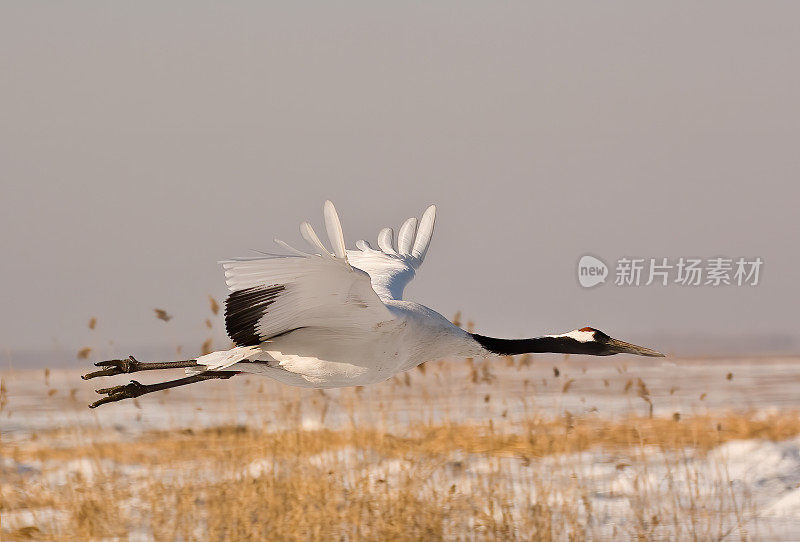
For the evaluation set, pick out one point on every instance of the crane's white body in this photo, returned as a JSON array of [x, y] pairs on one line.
[[329, 320], [327, 358]]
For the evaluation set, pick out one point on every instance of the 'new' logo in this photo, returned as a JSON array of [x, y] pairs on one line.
[[591, 271]]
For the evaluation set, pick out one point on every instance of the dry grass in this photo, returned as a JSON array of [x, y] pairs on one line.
[[539, 438], [240, 483]]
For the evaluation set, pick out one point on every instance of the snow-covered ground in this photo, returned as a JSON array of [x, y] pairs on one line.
[[744, 486], [747, 487], [445, 391]]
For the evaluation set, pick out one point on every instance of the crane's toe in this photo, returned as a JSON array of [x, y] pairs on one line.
[[118, 393], [113, 367]]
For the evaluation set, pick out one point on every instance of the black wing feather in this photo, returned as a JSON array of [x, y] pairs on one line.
[[243, 310]]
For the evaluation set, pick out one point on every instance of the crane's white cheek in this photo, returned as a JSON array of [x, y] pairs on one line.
[[580, 336]]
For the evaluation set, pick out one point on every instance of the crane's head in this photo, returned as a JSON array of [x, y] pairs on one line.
[[598, 343]]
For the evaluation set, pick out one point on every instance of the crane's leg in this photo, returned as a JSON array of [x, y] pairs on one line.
[[136, 389], [131, 365]]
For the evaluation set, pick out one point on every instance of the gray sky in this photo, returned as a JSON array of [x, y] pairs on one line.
[[142, 142]]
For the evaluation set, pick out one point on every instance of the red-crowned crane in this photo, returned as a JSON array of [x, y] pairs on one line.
[[329, 319]]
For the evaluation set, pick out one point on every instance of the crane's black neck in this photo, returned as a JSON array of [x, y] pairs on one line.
[[537, 345]]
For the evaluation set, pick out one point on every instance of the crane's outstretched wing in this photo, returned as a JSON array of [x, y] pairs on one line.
[[275, 295], [390, 269]]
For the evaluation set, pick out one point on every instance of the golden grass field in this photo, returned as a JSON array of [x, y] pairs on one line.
[[544, 448], [237, 483]]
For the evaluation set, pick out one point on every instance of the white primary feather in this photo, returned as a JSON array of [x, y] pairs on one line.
[[405, 239], [424, 233], [288, 247], [386, 240], [334, 227], [310, 236]]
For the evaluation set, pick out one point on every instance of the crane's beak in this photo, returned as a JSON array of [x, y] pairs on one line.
[[621, 347]]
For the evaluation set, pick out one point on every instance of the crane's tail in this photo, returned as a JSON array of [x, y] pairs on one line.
[[220, 360]]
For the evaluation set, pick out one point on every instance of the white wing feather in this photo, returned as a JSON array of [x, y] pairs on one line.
[[339, 291], [390, 270], [318, 292], [385, 240], [424, 233], [405, 239], [311, 238], [335, 233], [302, 290]]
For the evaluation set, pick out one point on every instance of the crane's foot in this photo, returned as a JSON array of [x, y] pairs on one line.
[[118, 393], [135, 389], [115, 367]]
